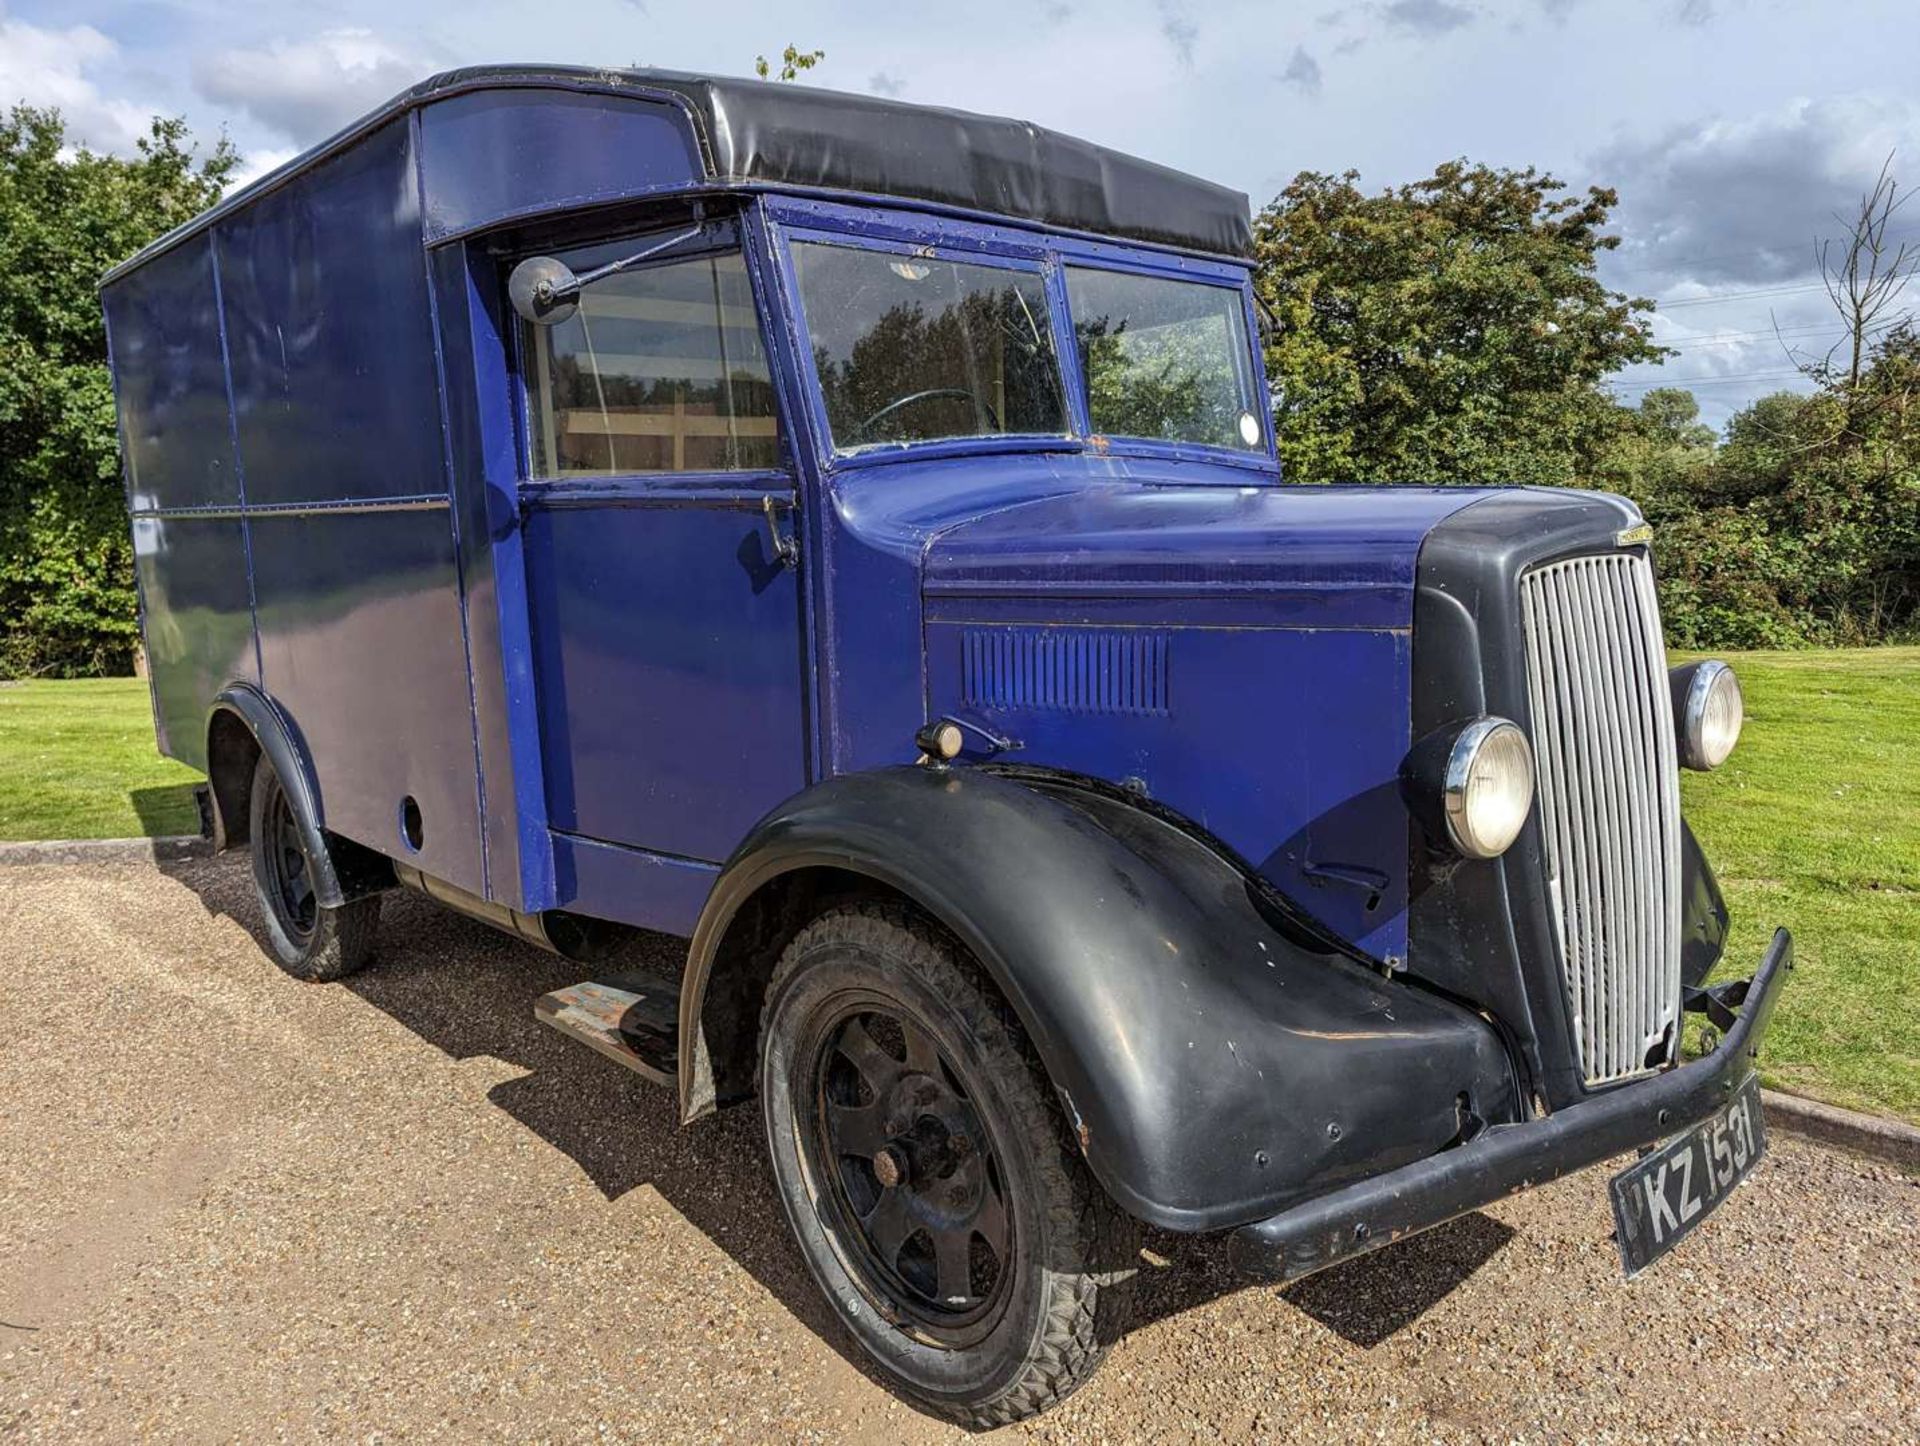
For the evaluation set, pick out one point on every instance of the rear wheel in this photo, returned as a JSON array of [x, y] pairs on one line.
[[928, 1175], [309, 940]]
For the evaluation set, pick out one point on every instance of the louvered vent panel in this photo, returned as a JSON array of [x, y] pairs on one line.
[[1076, 670]]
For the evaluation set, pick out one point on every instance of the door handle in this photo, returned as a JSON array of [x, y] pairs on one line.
[[786, 551]]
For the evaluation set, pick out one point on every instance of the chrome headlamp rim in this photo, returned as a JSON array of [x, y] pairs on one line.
[[1467, 745], [1691, 715]]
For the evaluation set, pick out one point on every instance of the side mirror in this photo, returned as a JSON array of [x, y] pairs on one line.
[[544, 290]]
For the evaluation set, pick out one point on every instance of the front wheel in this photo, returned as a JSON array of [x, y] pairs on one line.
[[309, 940], [927, 1173]]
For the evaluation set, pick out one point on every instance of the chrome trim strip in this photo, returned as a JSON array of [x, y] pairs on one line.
[[420, 502]]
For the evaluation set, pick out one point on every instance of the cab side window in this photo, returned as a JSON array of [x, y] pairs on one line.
[[661, 369]]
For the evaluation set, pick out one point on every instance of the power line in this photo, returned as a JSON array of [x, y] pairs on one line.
[[1719, 376], [1839, 330], [1715, 377], [1734, 338], [1693, 383], [1748, 294]]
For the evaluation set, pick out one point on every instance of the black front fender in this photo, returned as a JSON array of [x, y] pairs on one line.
[[1703, 912], [1213, 1062]]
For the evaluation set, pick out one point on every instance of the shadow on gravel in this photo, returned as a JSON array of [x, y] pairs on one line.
[[1365, 1301], [1370, 1300], [469, 991]]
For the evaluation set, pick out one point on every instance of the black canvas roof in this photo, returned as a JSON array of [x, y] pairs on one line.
[[791, 135], [755, 132]]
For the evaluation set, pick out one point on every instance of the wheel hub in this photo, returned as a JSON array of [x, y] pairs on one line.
[[918, 1184], [889, 1168], [287, 861]]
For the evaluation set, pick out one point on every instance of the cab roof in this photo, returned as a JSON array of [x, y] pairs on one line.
[[765, 134]]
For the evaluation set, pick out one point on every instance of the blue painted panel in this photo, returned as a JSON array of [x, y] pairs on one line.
[[171, 388], [875, 526], [480, 437], [493, 154], [360, 644], [667, 648], [629, 885], [1277, 713], [1323, 556], [170, 384], [1286, 743], [336, 400], [329, 333], [1084, 538], [192, 573]]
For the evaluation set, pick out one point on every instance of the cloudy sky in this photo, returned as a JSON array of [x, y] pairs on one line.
[[1734, 130]]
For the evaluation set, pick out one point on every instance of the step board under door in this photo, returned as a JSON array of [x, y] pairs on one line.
[[633, 1018]]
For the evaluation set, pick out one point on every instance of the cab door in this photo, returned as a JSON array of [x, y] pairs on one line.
[[666, 625]]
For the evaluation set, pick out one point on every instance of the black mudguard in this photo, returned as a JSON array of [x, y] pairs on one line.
[[1214, 1062], [1703, 912], [277, 740]]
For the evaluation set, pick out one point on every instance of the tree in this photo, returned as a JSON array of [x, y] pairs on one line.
[[1672, 415], [1452, 330], [793, 60], [66, 216], [1656, 453], [1865, 277], [1804, 524]]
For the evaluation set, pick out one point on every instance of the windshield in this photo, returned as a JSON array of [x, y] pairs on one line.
[[912, 348], [1164, 359]]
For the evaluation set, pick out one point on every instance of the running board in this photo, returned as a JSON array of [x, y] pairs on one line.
[[632, 1018]]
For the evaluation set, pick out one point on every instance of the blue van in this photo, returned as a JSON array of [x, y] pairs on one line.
[[849, 535]]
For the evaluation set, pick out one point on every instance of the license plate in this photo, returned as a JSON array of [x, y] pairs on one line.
[[1659, 1200]]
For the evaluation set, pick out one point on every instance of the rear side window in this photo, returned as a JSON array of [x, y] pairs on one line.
[[661, 369]]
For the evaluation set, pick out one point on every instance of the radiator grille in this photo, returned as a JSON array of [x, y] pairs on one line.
[[1080, 670], [1609, 804]]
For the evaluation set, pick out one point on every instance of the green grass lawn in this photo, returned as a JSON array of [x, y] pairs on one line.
[[1813, 823], [78, 760]]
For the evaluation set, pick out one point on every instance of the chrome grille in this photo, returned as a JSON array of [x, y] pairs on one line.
[[1609, 801]]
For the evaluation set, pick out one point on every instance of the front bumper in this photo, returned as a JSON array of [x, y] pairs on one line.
[[1506, 1159]]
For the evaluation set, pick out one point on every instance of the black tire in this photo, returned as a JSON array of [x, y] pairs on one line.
[[1015, 1328], [308, 940]]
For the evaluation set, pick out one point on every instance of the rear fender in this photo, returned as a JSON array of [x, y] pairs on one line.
[[1213, 1062], [276, 738]]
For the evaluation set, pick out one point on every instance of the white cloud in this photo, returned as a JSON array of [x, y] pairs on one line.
[[1740, 203], [306, 90], [256, 163], [1721, 218], [41, 67]]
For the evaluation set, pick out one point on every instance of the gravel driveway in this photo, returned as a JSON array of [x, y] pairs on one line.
[[234, 1206]]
